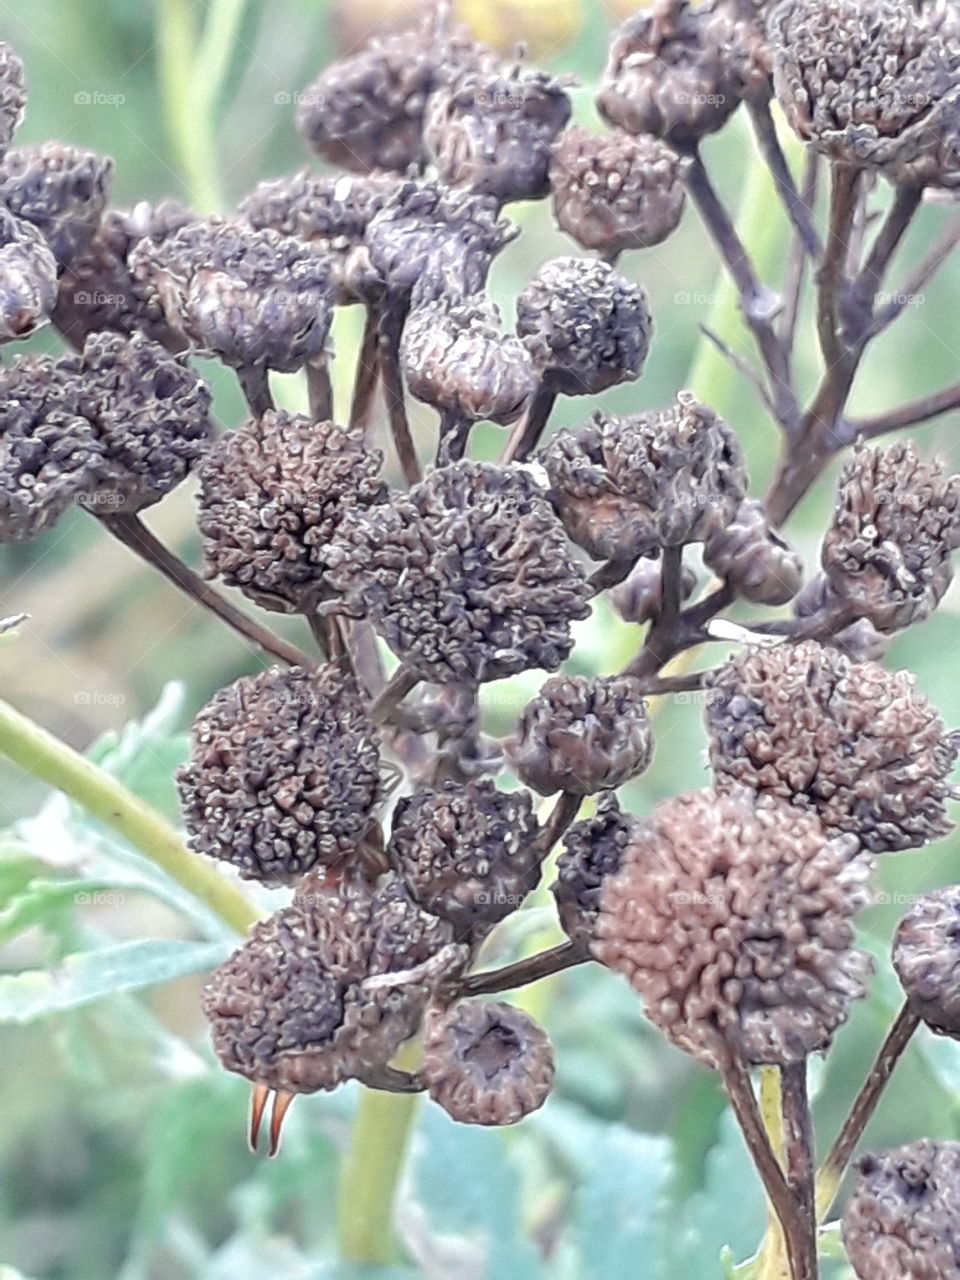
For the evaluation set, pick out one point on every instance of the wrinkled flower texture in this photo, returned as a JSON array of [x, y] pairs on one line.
[[365, 775]]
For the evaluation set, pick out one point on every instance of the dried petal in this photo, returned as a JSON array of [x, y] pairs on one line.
[[926, 956], [62, 190]]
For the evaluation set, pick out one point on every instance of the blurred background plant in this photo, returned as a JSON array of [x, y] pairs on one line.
[[121, 1151]]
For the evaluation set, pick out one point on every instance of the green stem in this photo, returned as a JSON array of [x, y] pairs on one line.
[[43, 756], [217, 44], [371, 1170]]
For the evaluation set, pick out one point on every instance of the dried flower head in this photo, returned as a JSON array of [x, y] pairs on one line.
[[49, 456], [675, 71], [13, 95], [593, 850], [855, 744], [582, 734], [252, 298], [62, 190], [432, 243], [926, 956], [306, 1002], [283, 773], [457, 359], [98, 290], [272, 495], [614, 192], [365, 111], [874, 85], [28, 278], [466, 853], [902, 1221], [486, 1062], [586, 327], [752, 558], [332, 210], [491, 130], [627, 487], [639, 597], [468, 577], [731, 915], [887, 553]]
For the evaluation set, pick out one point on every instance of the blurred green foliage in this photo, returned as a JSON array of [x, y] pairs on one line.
[[122, 1145]]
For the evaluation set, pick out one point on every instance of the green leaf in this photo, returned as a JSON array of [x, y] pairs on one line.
[[86, 976], [145, 753]]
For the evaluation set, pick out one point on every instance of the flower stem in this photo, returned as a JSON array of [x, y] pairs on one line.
[[371, 1169], [43, 756], [189, 124]]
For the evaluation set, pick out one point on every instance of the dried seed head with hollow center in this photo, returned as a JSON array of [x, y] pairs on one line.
[[492, 128], [62, 190], [926, 956], [272, 495], [330, 210], [902, 1221], [307, 1001], [365, 111], [251, 298], [732, 916], [593, 851], [614, 192], [586, 327], [28, 278], [628, 487], [468, 577], [466, 853], [98, 291], [752, 558], [457, 359], [675, 71], [582, 734], [859, 746], [872, 85], [486, 1062], [13, 95], [283, 773], [431, 244], [887, 553]]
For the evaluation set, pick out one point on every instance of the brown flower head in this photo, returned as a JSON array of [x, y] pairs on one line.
[[491, 130], [366, 110], [855, 744], [640, 597], [283, 773], [252, 298], [466, 853], [13, 95], [307, 1001], [627, 487], [468, 577], [28, 278], [873, 85], [675, 71], [593, 850], [752, 558], [582, 734], [731, 915], [859, 640], [62, 190], [272, 495], [613, 192], [586, 327], [887, 553], [486, 1062], [926, 956], [431, 244], [457, 359], [98, 290], [331, 210], [902, 1221]]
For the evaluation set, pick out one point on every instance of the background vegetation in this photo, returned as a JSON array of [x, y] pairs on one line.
[[122, 1143]]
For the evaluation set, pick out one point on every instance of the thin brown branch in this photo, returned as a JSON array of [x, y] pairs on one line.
[[255, 384], [860, 303], [798, 210], [564, 812], [741, 366], [401, 683], [800, 1155], [610, 575], [907, 415], [391, 330], [798, 261], [831, 279], [368, 370], [131, 531], [526, 434], [522, 972], [917, 281], [320, 390]]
